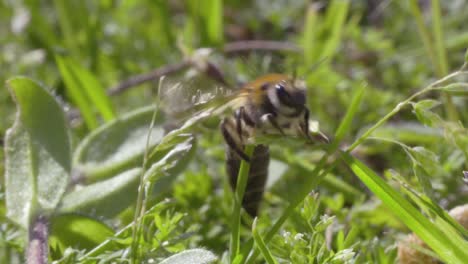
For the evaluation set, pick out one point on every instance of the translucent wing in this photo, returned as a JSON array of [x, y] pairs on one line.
[[195, 95]]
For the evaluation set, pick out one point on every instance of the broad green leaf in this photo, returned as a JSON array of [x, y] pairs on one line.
[[37, 152], [451, 249], [77, 231], [191, 256], [105, 198], [85, 91], [117, 146], [109, 197]]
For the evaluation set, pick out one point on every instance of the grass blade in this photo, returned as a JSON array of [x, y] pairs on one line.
[[77, 95], [345, 124], [334, 22], [214, 18], [261, 245], [239, 195], [450, 249], [309, 35], [82, 83]]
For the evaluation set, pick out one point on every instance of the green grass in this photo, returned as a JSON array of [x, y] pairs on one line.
[[388, 86]]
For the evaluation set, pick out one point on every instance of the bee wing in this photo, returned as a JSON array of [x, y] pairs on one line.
[[187, 96]]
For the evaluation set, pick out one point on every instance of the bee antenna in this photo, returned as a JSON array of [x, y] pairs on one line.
[[294, 73], [316, 65], [311, 68]]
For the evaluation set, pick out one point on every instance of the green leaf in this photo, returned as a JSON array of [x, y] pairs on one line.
[[423, 179], [105, 198], [85, 91], [426, 104], [426, 158], [37, 152], [450, 249], [458, 88], [410, 133], [117, 146], [425, 165], [351, 237], [191, 256], [171, 157], [422, 110], [77, 231]]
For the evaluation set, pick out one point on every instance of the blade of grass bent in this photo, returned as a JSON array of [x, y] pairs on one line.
[[447, 248]]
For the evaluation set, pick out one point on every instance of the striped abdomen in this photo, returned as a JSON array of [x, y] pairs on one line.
[[257, 176]]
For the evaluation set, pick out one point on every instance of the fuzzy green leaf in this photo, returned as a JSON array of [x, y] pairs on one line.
[[171, 156], [37, 151], [117, 146], [104, 198], [191, 256]]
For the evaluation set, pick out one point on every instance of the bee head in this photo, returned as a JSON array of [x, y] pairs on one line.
[[287, 96]]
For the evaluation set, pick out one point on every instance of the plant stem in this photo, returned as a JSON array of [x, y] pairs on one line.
[[37, 251], [144, 189], [398, 107], [239, 195], [435, 49]]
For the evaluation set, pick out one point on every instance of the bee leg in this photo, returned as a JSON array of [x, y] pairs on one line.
[[243, 119], [271, 119], [231, 142], [238, 114], [305, 125], [305, 129]]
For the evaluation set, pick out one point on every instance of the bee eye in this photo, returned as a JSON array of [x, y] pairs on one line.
[[281, 92]]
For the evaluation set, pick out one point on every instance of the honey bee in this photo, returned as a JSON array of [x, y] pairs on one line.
[[272, 104]]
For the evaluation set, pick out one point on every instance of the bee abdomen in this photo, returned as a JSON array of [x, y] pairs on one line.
[[257, 176]]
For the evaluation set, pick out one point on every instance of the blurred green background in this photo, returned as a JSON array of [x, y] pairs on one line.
[[392, 48]]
